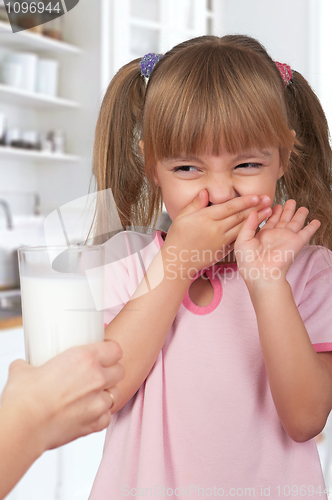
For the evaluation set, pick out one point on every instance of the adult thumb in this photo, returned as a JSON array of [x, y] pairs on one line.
[[201, 201]]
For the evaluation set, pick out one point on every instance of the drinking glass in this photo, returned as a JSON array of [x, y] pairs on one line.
[[60, 303]]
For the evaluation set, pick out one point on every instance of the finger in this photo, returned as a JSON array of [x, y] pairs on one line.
[[287, 213], [232, 225], [101, 423], [232, 232], [18, 364], [308, 231], [297, 222], [110, 398], [229, 249], [236, 206], [248, 230], [263, 214], [201, 201], [96, 411], [274, 218], [113, 395], [113, 375], [108, 352]]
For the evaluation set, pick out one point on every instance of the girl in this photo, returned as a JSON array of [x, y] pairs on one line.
[[228, 369]]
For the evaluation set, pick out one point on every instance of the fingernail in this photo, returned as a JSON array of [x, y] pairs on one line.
[[254, 199], [266, 200], [267, 211]]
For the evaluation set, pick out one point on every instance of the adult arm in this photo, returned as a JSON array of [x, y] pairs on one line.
[[45, 407]]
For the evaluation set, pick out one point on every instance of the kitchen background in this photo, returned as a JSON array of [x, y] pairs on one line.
[[52, 80]]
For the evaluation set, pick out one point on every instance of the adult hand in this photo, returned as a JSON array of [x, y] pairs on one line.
[[68, 396]]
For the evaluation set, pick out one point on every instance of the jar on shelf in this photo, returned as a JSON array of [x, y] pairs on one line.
[[3, 14], [3, 129], [30, 139], [53, 28], [22, 16], [45, 144], [58, 139], [14, 138], [31, 22]]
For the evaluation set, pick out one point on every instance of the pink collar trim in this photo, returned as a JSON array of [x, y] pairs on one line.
[[212, 274]]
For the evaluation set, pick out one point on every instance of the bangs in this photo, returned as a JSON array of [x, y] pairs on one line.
[[211, 99]]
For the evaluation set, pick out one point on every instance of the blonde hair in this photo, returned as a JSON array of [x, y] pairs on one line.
[[206, 94]]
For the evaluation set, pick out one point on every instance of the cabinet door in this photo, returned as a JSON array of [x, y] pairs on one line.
[[142, 26], [137, 29]]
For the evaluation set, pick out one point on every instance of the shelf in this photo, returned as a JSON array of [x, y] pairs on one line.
[[13, 95], [26, 154], [26, 40], [145, 23]]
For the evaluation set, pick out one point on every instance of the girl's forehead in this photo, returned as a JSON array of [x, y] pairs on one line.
[[238, 147], [242, 154]]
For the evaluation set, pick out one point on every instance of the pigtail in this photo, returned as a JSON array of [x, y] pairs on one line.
[[308, 178], [118, 162]]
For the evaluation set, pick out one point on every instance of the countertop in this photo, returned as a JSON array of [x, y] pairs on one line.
[[10, 309], [10, 322]]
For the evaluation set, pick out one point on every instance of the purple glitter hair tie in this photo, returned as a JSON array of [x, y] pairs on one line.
[[148, 63]]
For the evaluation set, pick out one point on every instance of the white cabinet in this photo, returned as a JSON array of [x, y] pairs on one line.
[[66, 473], [33, 102], [58, 178], [133, 28]]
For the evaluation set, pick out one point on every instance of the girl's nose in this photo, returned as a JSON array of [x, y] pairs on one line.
[[221, 191]]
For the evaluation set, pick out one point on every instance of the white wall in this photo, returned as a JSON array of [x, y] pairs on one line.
[[324, 71], [281, 25], [297, 32]]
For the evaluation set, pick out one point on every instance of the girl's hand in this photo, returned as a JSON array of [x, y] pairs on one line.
[[68, 396], [201, 235], [267, 255]]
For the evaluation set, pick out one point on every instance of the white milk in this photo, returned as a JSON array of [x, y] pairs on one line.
[[58, 313]]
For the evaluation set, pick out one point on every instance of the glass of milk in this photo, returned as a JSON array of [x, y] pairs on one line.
[[61, 305]]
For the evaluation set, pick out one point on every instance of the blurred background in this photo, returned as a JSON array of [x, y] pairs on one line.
[[52, 80]]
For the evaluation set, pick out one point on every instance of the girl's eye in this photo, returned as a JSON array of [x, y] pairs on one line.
[[249, 165], [185, 168]]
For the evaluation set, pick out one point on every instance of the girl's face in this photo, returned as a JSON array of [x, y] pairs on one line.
[[224, 177]]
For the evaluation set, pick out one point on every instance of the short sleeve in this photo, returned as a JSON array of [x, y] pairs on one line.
[[127, 257], [312, 290]]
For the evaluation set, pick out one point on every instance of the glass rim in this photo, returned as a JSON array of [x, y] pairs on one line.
[[51, 248]]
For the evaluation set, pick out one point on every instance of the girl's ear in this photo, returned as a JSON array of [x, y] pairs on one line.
[[155, 178], [281, 167], [141, 146], [281, 171]]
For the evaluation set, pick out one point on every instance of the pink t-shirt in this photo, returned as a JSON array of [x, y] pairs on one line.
[[204, 424]]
